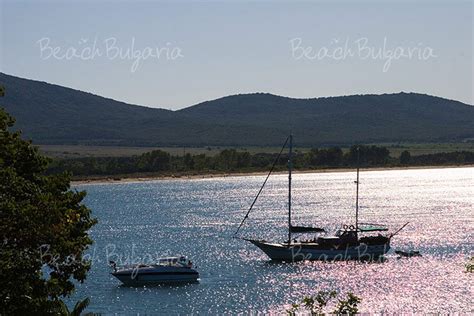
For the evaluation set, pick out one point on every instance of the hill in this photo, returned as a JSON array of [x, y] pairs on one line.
[[52, 114]]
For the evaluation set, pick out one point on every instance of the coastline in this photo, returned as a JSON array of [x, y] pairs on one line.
[[127, 178]]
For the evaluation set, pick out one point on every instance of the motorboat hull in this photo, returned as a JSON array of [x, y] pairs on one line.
[[156, 275], [312, 251]]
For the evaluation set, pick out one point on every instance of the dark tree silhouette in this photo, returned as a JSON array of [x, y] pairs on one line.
[[43, 228]]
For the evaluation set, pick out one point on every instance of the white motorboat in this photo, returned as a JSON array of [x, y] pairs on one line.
[[166, 270]]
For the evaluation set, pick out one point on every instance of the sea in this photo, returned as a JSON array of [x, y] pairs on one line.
[[141, 221]]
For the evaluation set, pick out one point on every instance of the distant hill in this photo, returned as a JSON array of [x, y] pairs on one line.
[[52, 114]]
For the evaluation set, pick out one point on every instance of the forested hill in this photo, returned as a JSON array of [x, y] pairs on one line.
[[52, 114]]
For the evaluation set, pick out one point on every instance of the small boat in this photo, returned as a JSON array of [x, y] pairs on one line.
[[166, 270], [358, 241]]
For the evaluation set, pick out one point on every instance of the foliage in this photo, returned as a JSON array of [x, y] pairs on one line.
[[317, 304], [405, 157], [231, 160], [456, 157], [52, 114], [470, 265], [80, 306], [325, 157], [368, 155], [43, 228], [348, 306]]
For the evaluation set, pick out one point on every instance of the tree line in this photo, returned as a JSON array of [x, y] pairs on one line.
[[43, 228], [231, 160]]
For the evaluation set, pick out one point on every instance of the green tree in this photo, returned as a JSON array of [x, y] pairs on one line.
[[188, 162], [156, 160], [316, 305], [227, 159], [367, 155], [313, 305], [470, 265], [80, 306], [43, 228], [348, 306], [325, 157], [405, 157]]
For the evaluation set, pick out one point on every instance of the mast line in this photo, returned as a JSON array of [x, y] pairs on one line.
[[263, 185], [357, 190], [290, 166]]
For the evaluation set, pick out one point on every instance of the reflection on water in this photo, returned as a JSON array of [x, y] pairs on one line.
[[198, 218]]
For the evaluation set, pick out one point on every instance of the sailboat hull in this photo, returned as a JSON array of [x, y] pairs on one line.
[[312, 251]]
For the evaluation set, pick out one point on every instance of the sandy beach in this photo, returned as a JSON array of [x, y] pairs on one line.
[[154, 176]]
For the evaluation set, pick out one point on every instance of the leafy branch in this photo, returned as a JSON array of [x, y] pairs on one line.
[[470, 265], [317, 304]]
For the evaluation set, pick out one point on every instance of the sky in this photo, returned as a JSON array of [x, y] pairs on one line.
[[174, 54]]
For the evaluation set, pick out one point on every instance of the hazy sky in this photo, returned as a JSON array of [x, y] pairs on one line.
[[176, 54]]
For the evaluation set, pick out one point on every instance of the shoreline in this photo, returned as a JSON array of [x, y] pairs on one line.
[[128, 178]]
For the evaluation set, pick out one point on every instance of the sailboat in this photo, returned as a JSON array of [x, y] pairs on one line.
[[351, 242]]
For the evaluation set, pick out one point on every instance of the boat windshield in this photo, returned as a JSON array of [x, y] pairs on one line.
[[367, 228], [168, 261], [173, 261]]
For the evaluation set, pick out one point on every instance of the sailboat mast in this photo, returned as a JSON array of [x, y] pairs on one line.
[[357, 191], [290, 166]]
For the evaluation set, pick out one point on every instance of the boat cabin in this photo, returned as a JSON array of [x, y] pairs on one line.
[[174, 261]]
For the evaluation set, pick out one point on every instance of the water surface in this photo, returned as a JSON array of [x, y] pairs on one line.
[[198, 218]]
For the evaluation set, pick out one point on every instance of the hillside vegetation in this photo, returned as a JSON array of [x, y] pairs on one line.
[[51, 114], [160, 163]]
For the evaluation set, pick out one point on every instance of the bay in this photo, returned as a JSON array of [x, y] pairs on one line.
[[139, 221]]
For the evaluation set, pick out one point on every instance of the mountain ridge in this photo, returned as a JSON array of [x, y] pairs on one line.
[[232, 95], [53, 114]]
